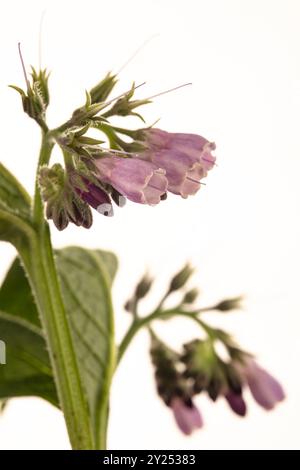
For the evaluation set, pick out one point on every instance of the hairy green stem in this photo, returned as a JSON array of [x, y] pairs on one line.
[[45, 284]]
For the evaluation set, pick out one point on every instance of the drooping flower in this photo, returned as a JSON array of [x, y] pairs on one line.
[[140, 181], [193, 144], [265, 389], [186, 158], [186, 414]]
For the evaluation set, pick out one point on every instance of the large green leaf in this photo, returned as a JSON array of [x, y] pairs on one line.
[[15, 219], [13, 197], [85, 277], [27, 370], [15, 295]]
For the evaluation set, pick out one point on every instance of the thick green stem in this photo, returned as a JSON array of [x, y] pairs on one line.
[[43, 277], [44, 281]]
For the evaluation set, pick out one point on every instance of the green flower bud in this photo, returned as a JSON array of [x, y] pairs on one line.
[[40, 85], [143, 287], [229, 304], [180, 279], [190, 296], [141, 291], [63, 204], [124, 107], [129, 305], [102, 90], [36, 100]]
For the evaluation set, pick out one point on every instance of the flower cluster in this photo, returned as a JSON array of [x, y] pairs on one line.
[[169, 162], [143, 170], [202, 366]]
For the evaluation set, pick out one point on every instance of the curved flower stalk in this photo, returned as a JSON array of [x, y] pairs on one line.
[[182, 376]]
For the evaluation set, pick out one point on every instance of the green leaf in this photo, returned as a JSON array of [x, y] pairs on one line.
[[110, 261], [15, 219], [86, 277], [21, 305], [27, 370], [13, 197]]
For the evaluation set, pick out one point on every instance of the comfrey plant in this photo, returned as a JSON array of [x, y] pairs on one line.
[[56, 314]]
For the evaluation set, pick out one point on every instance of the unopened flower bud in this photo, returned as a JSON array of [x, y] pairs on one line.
[[63, 205], [190, 296], [143, 287], [141, 291], [40, 85], [180, 279], [102, 90], [96, 197], [129, 305], [124, 107], [36, 98], [229, 304]]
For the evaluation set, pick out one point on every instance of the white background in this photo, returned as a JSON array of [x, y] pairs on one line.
[[241, 231]]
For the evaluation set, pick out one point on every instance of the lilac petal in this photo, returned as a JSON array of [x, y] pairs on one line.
[[191, 147], [206, 158], [192, 183], [138, 180], [180, 171], [266, 390], [189, 140], [195, 146], [184, 166], [155, 188], [236, 403], [188, 418], [157, 138], [202, 156]]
